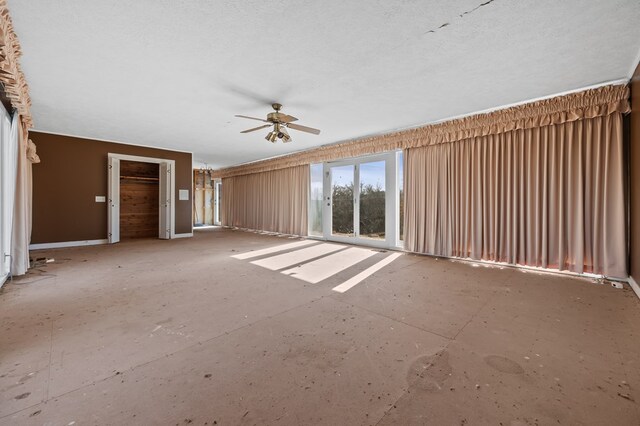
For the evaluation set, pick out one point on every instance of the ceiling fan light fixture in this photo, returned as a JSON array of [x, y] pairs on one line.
[[280, 122], [284, 135], [272, 136]]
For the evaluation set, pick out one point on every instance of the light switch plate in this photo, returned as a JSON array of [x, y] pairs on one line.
[[183, 195], [101, 198]]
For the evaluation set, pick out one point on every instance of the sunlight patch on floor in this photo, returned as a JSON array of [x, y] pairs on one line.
[[323, 268], [318, 262], [366, 273], [295, 257], [276, 249]]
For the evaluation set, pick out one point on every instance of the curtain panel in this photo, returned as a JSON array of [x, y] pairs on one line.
[[549, 196], [274, 201], [16, 180], [22, 214]]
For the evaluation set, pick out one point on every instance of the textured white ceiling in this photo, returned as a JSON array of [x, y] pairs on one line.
[[172, 73]]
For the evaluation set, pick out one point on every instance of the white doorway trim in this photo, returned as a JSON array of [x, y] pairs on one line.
[[217, 187], [167, 209]]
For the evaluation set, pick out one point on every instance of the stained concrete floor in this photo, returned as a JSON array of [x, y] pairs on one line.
[[178, 332]]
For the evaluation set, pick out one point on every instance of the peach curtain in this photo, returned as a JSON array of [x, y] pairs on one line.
[[549, 196], [16, 89], [21, 233], [274, 201]]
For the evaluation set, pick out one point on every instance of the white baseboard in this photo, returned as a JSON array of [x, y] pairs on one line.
[[186, 235], [86, 243], [634, 285], [67, 244]]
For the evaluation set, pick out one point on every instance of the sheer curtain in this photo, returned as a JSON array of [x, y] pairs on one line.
[[549, 196], [274, 201], [21, 231], [8, 170]]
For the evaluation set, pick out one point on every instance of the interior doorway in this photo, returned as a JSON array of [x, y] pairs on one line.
[[139, 199], [206, 199], [203, 199], [120, 209]]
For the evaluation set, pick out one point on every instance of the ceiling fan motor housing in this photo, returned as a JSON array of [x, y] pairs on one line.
[[280, 124], [273, 117]]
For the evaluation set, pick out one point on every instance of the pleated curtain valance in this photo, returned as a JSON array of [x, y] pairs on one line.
[[591, 103], [11, 75]]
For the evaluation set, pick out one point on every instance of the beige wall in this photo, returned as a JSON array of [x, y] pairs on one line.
[[634, 163], [72, 172]]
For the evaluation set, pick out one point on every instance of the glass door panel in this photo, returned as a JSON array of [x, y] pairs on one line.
[[372, 194], [315, 200], [342, 201], [400, 179]]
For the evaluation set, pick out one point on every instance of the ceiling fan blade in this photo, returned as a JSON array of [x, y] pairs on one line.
[[285, 118], [304, 128], [253, 118], [256, 128]]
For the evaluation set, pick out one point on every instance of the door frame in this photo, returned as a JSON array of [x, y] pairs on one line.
[[217, 185], [113, 198], [391, 200]]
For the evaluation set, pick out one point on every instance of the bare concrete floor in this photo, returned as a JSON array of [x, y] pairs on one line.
[[178, 332]]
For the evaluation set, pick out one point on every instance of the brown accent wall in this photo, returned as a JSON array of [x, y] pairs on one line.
[[73, 171], [634, 165]]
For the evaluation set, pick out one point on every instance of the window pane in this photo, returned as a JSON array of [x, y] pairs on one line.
[[315, 201], [342, 201], [401, 194], [372, 200]]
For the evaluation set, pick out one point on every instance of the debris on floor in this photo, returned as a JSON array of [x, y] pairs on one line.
[[626, 396], [40, 261]]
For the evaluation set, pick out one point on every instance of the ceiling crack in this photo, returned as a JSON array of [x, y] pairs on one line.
[[462, 15], [476, 8]]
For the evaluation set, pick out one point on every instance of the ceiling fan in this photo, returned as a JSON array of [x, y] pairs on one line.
[[280, 123]]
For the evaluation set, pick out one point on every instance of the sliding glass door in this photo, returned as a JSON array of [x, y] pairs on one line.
[[356, 205]]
